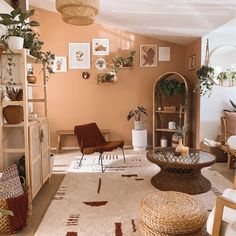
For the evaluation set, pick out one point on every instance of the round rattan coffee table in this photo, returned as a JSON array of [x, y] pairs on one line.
[[182, 174]]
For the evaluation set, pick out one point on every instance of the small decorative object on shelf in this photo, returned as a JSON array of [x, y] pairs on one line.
[[31, 78], [163, 141], [169, 108], [137, 113]]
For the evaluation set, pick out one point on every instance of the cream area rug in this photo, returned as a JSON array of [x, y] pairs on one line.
[[91, 203]]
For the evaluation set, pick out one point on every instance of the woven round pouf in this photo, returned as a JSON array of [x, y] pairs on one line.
[[170, 213]]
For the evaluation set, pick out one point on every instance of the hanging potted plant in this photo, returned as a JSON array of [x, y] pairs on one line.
[[206, 75], [13, 114], [137, 113], [17, 24]]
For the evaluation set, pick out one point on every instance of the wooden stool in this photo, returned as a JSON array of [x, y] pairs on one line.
[[64, 133], [171, 213]]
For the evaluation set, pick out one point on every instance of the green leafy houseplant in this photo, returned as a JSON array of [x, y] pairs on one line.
[[106, 78], [170, 87], [17, 23], [205, 74], [119, 62], [137, 113]]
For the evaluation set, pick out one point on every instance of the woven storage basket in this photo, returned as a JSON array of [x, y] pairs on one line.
[[21, 207], [172, 213]]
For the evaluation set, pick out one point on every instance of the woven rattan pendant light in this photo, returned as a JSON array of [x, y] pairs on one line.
[[78, 12]]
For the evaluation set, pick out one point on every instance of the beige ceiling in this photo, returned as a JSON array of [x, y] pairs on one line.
[[178, 21]]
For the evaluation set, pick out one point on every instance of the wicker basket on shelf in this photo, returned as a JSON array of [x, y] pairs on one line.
[[21, 207]]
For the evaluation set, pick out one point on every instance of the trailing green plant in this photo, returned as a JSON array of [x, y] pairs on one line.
[[170, 87], [227, 75], [119, 62], [136, 113], [17, 23], [206, 75], [107, 77]]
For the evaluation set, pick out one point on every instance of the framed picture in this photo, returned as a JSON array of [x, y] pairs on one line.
[[100, 47], [79, 54], [59, 64], [164, 53], [192, 62], [100, 64], [148, 55]]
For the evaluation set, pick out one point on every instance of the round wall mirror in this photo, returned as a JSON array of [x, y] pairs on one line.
[[223, 60]]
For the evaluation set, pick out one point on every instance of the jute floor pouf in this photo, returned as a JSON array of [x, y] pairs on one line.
[[170, 213]]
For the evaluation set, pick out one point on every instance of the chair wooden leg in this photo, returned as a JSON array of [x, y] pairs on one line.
[[81, 159], [58, 143], [123, 153]]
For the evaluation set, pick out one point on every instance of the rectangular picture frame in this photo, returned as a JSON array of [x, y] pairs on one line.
[[59, 64], [100, 47], [79, 54], [192, 62], [148, 55]]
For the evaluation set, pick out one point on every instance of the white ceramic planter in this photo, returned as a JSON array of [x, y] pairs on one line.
[[138, 125], [15, 43], [139, 139]]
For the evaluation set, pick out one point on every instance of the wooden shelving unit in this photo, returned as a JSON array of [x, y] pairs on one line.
[[30, 138], [161, 117]]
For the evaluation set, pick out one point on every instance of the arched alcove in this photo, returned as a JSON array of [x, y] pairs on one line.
[[167, 108]]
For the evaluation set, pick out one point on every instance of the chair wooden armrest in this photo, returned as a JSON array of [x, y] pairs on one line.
[[221, 202]]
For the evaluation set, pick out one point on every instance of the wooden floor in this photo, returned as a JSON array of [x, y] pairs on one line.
[[45, 196]]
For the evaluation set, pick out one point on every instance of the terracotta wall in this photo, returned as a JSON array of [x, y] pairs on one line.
[[73, 100], [194, 49]]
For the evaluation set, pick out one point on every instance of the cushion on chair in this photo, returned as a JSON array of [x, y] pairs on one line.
[[232, 141], [230, 118], [228, 224]]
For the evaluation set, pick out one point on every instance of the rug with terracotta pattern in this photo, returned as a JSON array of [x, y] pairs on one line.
[[91, 203]]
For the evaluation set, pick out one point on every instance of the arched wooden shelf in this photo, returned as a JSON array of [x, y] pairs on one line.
[[161, 116]]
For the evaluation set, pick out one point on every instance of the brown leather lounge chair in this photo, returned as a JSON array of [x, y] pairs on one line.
[[90, 140]]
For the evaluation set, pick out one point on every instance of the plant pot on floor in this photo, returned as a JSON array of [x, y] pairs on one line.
[[15, 43], [13, 114], [138, 125]]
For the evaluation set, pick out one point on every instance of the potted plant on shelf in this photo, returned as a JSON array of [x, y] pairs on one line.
[[170, 87], [18, 25], [119, 62], [137, 113], [31, 78], [13, 114], [106, 78]]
